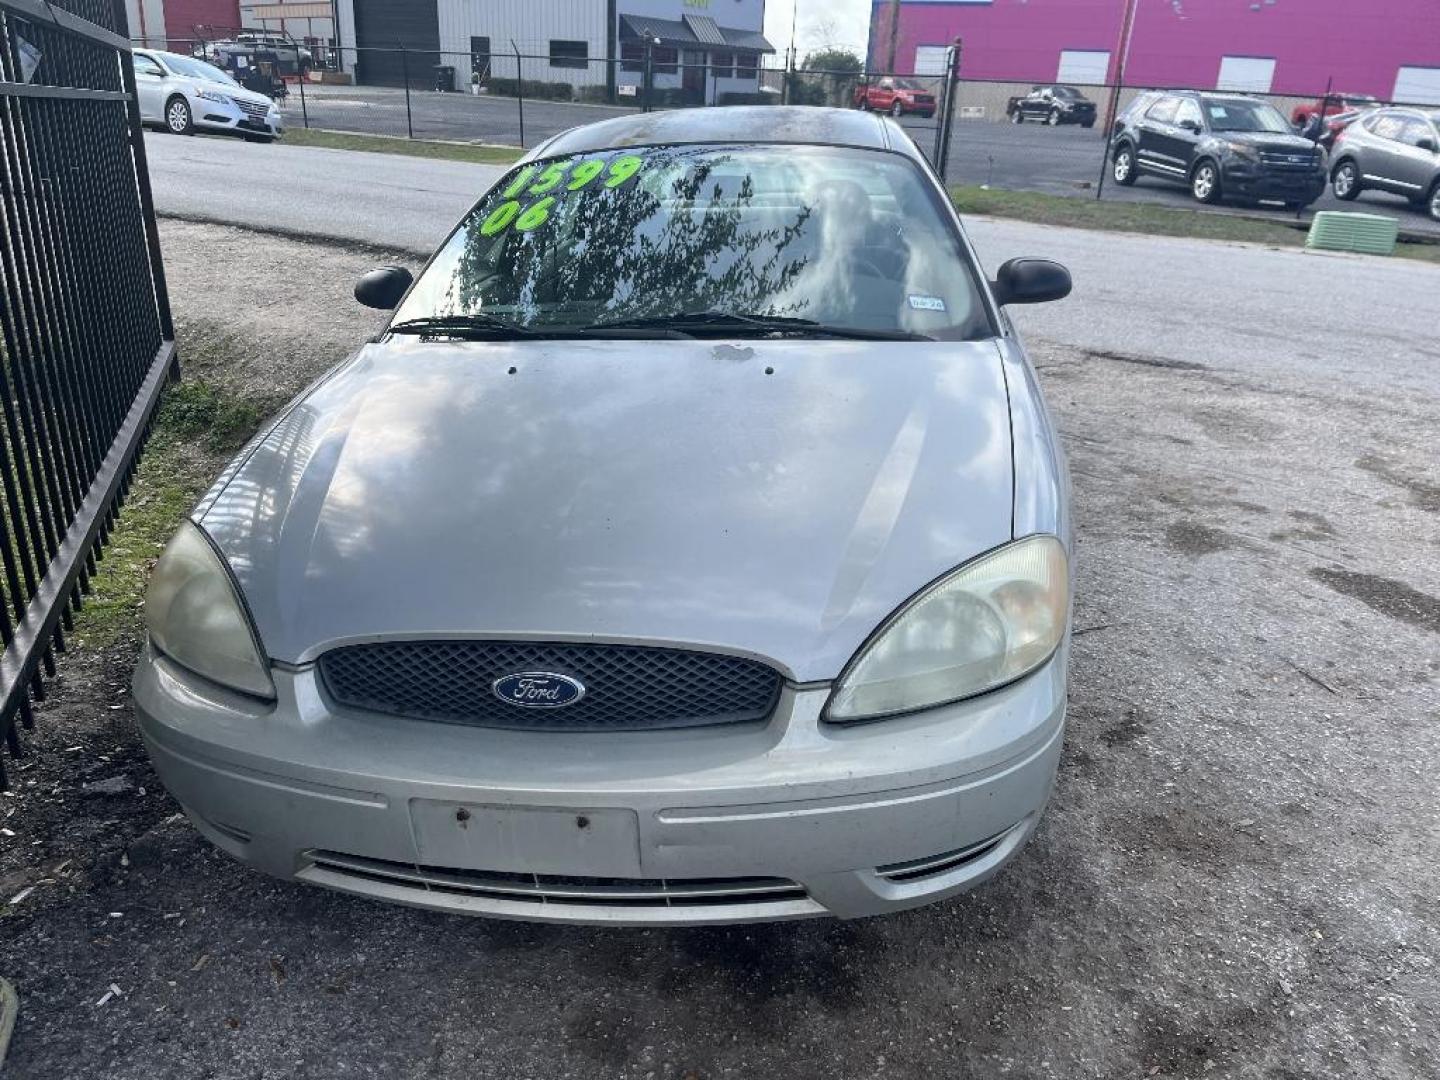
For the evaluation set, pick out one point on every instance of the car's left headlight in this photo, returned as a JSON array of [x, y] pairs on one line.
[[1243, 151], [994, 620], [196, 618], [212, 95]]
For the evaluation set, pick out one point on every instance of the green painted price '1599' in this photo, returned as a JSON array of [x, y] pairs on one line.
[[581, 175]]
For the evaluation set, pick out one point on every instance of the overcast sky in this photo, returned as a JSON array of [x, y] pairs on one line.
[[822, 23]]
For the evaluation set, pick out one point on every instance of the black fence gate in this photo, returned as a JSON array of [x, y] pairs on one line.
[[86, 341]]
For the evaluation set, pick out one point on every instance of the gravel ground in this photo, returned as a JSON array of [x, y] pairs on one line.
[[1237, 876]]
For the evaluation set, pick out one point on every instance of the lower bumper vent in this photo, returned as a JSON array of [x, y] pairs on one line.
[[556, 889]]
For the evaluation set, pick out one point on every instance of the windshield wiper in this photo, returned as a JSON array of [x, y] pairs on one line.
[[755, 324], [463, 326]]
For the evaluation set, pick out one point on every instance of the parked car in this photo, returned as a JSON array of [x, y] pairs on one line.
[[1054, 105], [1219, 145], [1331, 105], [184, 95], [1394, 150], [692, 546], [898, 97]]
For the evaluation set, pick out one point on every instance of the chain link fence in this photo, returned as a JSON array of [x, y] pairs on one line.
[[1003, 135]]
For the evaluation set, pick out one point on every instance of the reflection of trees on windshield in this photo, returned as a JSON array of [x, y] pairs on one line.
[[696, 244]]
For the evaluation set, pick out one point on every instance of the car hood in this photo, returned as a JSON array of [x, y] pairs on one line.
[[1268, 140], [773, 498]]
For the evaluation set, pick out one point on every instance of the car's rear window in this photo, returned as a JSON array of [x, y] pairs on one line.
[[846, 237]]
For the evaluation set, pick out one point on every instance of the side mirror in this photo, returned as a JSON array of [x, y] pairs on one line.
[[383, 287], [1030, 281], [1190, 126], [1426, 144]]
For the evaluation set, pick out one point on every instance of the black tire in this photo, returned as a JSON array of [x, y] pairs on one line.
[[1017, 117], [1054, 118], [1345, 181], [1123, 165], [897, 110], [1087, 123], [1433, 207], [1205, 182], [178, 120], [260, 138]]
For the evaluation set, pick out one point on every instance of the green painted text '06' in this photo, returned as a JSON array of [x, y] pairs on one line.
[[581, 176]]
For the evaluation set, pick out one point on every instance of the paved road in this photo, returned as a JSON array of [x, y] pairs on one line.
[[1224, 305], [1031, 157]]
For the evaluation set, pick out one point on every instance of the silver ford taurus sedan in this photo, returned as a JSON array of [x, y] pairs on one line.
[[693, 546]]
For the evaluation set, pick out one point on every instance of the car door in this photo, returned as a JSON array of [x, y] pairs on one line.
[[1033, 106], [1156, 151], [1383, 163], [149, 87], [1416, 158]]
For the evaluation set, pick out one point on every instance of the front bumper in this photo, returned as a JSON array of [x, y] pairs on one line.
[[1247, 180], [788, 819], [227, 116]]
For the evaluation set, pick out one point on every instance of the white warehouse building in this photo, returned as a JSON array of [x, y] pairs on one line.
[[701, 49]]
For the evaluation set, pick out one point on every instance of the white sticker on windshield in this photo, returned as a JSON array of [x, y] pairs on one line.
[[927, 303]]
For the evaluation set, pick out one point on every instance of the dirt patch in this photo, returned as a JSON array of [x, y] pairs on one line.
[[1391, 598], [1423, 494], [1145, 361], [1193, 539]]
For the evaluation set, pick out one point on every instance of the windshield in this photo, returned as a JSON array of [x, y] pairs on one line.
[[1244, 116], [198, 69], [853, 239], [1066, 92]]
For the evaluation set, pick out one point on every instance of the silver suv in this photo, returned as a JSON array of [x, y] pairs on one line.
[[1394, 150]]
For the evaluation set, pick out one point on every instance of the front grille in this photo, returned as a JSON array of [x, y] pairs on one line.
[[556, 889], [627, 688], [253, 110], [1275, 160]]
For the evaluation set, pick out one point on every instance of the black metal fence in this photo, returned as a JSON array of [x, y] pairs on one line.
[[86, 340]]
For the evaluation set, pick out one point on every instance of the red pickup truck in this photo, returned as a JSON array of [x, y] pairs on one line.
[[898, 97], [1330, 105]]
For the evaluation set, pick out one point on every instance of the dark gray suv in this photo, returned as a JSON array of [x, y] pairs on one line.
[[1394, 150]]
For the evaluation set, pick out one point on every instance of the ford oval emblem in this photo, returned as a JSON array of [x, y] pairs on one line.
[[538, 690]]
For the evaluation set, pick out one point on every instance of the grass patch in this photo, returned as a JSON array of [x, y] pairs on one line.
[[1144, 218], [379, 144], [198, 426]]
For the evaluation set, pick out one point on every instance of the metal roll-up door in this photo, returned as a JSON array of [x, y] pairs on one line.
[[388, 25]]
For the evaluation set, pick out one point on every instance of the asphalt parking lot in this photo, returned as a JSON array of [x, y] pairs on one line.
[[1238, 871], [1031, 157]]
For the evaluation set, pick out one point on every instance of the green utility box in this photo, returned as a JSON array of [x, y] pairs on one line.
[[1368, 234]]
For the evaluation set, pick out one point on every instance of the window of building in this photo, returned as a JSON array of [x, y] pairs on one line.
[[665, 60], [632, 56], [1247, 74], [1083, 67], [569, 54], [745, 65], [1417, 86], [722, 65], [930, 60]]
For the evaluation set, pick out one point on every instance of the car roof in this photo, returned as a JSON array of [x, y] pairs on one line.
[[733, 124]]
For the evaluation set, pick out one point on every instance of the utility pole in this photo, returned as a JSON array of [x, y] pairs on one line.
[[894, 36], [1122, 61]]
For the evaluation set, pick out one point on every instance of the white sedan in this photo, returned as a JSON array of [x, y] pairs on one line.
[[185, 95]]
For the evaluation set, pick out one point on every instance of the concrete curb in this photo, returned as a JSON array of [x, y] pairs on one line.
[[9, 1009]]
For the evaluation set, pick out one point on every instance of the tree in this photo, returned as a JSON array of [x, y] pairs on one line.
[[841, 60]]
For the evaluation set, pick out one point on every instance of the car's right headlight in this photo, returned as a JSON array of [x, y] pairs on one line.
[[995, 619], [195, 616]]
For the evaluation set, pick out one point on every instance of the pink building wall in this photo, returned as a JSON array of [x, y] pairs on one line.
[[1360, 43]]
